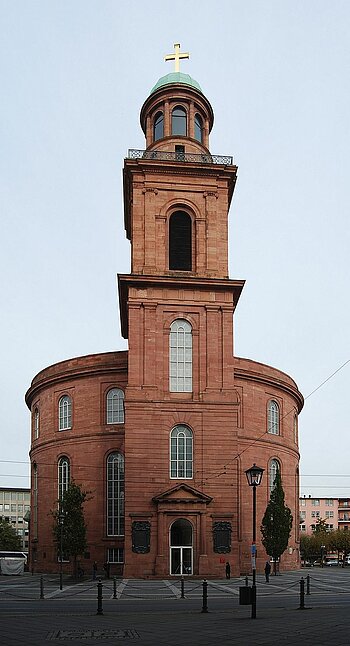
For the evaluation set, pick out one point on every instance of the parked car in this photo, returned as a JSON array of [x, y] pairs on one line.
[[331, 562]]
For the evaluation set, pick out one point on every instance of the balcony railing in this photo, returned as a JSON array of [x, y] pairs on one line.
[[162, 155]]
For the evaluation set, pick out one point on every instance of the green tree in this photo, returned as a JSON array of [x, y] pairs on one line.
[[69, 519], [311, 545], [340, 540], [277, 522], [9, 540]]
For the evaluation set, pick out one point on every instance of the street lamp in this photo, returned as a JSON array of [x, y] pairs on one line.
[[254, 477], [60, 522]]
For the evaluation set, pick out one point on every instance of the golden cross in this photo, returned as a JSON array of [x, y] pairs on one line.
[[176, 56]]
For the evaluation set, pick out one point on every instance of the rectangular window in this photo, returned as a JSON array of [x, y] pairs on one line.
[[115, 555], [13, 508], [303, 502], [6, 507], [315, 502], [329, 502], [303, 514]]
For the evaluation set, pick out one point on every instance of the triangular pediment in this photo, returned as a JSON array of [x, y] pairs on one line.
[[182, 493]]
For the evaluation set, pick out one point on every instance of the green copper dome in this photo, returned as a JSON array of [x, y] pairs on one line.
[[176, 77]]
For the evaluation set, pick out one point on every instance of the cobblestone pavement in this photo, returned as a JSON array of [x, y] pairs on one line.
[[152, 613]]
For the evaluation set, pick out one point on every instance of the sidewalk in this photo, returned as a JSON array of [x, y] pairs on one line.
[[182, 626]]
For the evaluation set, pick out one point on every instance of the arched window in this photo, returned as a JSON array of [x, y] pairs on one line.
[[115, 495], [36, 423], [181, 452], [274, 466], [273, 418], [198, 128], [115, 406], [180, 356], [63, 476], [180, 241], [65, 413], [158, 126], [179, 121], [295, 429]]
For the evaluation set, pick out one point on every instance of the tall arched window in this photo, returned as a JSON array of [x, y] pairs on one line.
[[295, 429], [115, 495], [273, 418], [180, 241], [36, 423], [115, 406], [65, 413], [274, 466], [63, 476], [179, 121], [198, 128], [181, 452], [34, 525], [158, 126], [180, 356]]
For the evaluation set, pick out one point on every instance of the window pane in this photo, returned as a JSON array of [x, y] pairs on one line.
[[180, 354], [179, 121], [158, 131], [181, 452], [198, 127], [115, 495], [180, 241], [115, 406]]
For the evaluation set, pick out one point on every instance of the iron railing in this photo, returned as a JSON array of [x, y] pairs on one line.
[[179, 156]]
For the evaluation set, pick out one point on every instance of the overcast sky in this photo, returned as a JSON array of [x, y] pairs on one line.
[[74, 75]]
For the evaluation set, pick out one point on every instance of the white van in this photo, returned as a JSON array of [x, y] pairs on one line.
[[12, 562]]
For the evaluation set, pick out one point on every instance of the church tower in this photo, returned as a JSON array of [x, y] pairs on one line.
[[162, 434], [177, 306]]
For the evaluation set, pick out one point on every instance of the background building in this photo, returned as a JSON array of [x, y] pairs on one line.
[[162, 434], [15, 509], [335, 511]]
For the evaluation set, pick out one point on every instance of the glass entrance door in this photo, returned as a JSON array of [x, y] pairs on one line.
[[181, 551], [181, 560]]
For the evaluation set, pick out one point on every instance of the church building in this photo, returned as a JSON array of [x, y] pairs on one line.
[[162, 434]]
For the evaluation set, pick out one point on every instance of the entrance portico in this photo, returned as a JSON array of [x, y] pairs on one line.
[[181, 531]]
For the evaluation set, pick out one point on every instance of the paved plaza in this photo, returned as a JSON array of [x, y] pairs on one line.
[[152, 612]]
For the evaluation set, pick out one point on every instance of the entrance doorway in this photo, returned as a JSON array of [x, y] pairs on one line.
[[181, 550]]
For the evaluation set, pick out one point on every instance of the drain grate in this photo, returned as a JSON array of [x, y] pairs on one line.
[[93, 634]]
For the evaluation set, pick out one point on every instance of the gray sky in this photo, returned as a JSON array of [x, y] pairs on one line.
[[74, 75]]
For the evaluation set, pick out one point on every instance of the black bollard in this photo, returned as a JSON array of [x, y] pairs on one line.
[[99, 598], [205, 596], [114, 588], [182, 588], [308, 584], [41, 587], [302, 594], [61, 581], [246, 582]]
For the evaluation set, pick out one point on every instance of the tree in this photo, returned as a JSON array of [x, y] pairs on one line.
[[9, 539], [313, 546], [340, 540], [69, 519], [277, 522]]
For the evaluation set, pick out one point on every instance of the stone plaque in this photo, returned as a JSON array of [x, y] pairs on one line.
[[141, 536]]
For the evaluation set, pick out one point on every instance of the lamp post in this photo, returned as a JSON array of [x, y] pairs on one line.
[[60, 522], [254, 477]]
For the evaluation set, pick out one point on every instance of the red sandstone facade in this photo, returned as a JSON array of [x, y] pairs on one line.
[[182, 515]]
